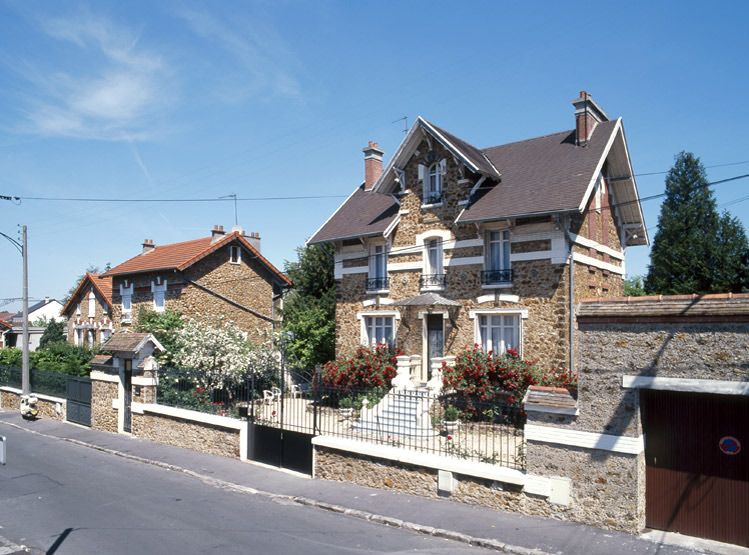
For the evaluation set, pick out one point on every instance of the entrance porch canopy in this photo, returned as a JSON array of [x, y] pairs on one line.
[[426, 299]]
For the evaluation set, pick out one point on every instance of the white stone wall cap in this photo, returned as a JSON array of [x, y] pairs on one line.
[[98, 376], [194, 416], [721, 387], [40, 396], [588, 440]]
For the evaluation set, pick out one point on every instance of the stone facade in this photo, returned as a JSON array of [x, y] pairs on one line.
[[213, 291], [54, 410], [10, 400], [103, 416], [540, 285], [86, 327], [197, 436]]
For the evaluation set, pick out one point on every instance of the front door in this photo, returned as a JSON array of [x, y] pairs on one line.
[[127, 384], [435, 342]]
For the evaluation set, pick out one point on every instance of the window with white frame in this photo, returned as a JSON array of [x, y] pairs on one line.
[[91, 304], [235, 254], [106, 333], [433, 186], [497, 257], [126, 293], [158, 288], [433, 264], [90, 335], [378, 330], [498, 332], [78, 337], [599, 192], [378, 267]]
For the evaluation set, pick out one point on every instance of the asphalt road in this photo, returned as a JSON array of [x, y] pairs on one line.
[[58, 497]]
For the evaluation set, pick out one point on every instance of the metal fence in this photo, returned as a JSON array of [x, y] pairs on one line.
[[45, 382]]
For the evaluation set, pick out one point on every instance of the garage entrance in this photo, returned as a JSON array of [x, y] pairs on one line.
[[697, 457]]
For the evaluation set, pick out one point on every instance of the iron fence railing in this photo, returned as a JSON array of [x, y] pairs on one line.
[[432, 280], [45, 382], [494, 277], [378, 283]]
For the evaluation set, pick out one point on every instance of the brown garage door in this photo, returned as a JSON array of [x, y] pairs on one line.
[[697, 453]]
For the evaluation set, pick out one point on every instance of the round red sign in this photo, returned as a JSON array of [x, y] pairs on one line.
[[729, 445]]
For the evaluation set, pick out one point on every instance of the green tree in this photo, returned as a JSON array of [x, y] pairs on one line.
[[165, 327], [309, 309], [634, 287], [53, 332], [692, 240]]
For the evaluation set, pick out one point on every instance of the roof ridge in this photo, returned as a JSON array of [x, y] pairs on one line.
[[527, 140], [156, 246]]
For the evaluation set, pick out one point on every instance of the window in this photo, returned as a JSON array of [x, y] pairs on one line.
[[78, 337], [235, 254], [126, 292], [433, 276], [90, 335], [91, 304], [106, 333], [600, 190], [378, 268], [379, 330], [158, 288], [78, 309], [497, 258], [499, 332], [433, 192]]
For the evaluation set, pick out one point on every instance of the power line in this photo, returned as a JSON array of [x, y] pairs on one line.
[[207, 199]]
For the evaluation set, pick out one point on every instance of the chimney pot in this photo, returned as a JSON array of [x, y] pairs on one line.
[[148, 245], [253, 238], [372, 164], [216, 233]]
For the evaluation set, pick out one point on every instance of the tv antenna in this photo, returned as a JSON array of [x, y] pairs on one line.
[[404, 119], [233, 196]]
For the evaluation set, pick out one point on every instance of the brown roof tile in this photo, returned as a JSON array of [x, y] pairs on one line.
[[364, 213], [541, 175], [724, 307], [179, 256], [127, 342], [549, 399], [475, 155], [103, 284]]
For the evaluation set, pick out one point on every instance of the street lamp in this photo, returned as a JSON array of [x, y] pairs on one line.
[[23, 248]]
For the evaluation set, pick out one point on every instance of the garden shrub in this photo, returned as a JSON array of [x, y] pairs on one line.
[[366, 369]]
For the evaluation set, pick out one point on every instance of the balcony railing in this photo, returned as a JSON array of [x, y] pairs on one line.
[[495, 277], [432, 280], [378, 284]]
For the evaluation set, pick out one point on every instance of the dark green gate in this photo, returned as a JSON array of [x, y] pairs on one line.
[[79, 400]]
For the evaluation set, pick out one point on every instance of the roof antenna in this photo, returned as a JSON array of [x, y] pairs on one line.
[[233, 196], [404, 119]]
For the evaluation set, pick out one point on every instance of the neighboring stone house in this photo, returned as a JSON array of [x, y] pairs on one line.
[[89, 311], [452, 245], [214, 279]]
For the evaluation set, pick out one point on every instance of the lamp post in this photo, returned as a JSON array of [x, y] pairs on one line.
[[23, 248]]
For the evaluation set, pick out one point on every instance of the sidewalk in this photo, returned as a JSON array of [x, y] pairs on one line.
[[512, 532]]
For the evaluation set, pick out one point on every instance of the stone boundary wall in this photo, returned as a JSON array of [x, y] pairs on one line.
[[10, 399], [189, 434], [342, 466]]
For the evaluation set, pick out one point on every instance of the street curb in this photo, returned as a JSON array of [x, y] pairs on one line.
[[391, 522]]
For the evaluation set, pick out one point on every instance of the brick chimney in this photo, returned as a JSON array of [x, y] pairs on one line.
[[372, 164], [217, 233], [253, 237], [588, 114], [148, 245]]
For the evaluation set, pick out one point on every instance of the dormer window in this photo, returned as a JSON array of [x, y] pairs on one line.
[[91, 304], [432, 180], [158, 288], [126, 292], [235, 254]]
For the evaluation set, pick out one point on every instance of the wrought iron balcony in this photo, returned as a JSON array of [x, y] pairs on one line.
[[433, 198], [432, 280], [495, 277], [378, 284]]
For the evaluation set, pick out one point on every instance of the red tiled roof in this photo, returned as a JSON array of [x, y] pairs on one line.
[[102, 283], [6, 325], [179, 256]]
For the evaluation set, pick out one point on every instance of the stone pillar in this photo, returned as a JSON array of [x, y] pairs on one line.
[[103, 393], [150, 373], [416, 377], [402, 379]]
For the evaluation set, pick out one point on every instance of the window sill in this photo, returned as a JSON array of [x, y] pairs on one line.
[[378, 291], [435, 205], [237, 263], [497, 286], [432, 288]]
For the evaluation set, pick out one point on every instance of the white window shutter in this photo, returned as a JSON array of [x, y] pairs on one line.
[[422, 173], [443, 167]]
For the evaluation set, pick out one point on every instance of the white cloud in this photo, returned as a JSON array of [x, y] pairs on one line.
[[115, 92], [261, 63]]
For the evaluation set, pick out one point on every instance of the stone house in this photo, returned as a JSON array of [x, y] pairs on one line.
[[214, 279], [450, 245], [89, 311]]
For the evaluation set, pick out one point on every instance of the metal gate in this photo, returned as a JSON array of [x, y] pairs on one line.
[[78, 393], [282, 423], [697, 457]]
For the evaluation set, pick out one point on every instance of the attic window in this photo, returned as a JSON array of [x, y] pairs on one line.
[[235, 254], [433, 192]]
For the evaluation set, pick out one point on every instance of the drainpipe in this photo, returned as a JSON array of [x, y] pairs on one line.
[[572, 301]]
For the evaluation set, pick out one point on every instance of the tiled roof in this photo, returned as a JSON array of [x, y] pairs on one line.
[[6, 325], [556, 400], [101, 360], [179, 256], [427, 299], [723, 307], [124, 342], [103, 284], [475, 155], [5, 315], [364, 213], [541, 175]]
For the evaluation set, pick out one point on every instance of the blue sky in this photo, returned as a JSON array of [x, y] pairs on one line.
[[165, 100]]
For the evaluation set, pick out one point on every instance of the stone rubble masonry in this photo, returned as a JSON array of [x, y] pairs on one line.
[[178, 432], [331, 464], [12, 401], [103, 416], [543, 287], [247, 284]]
